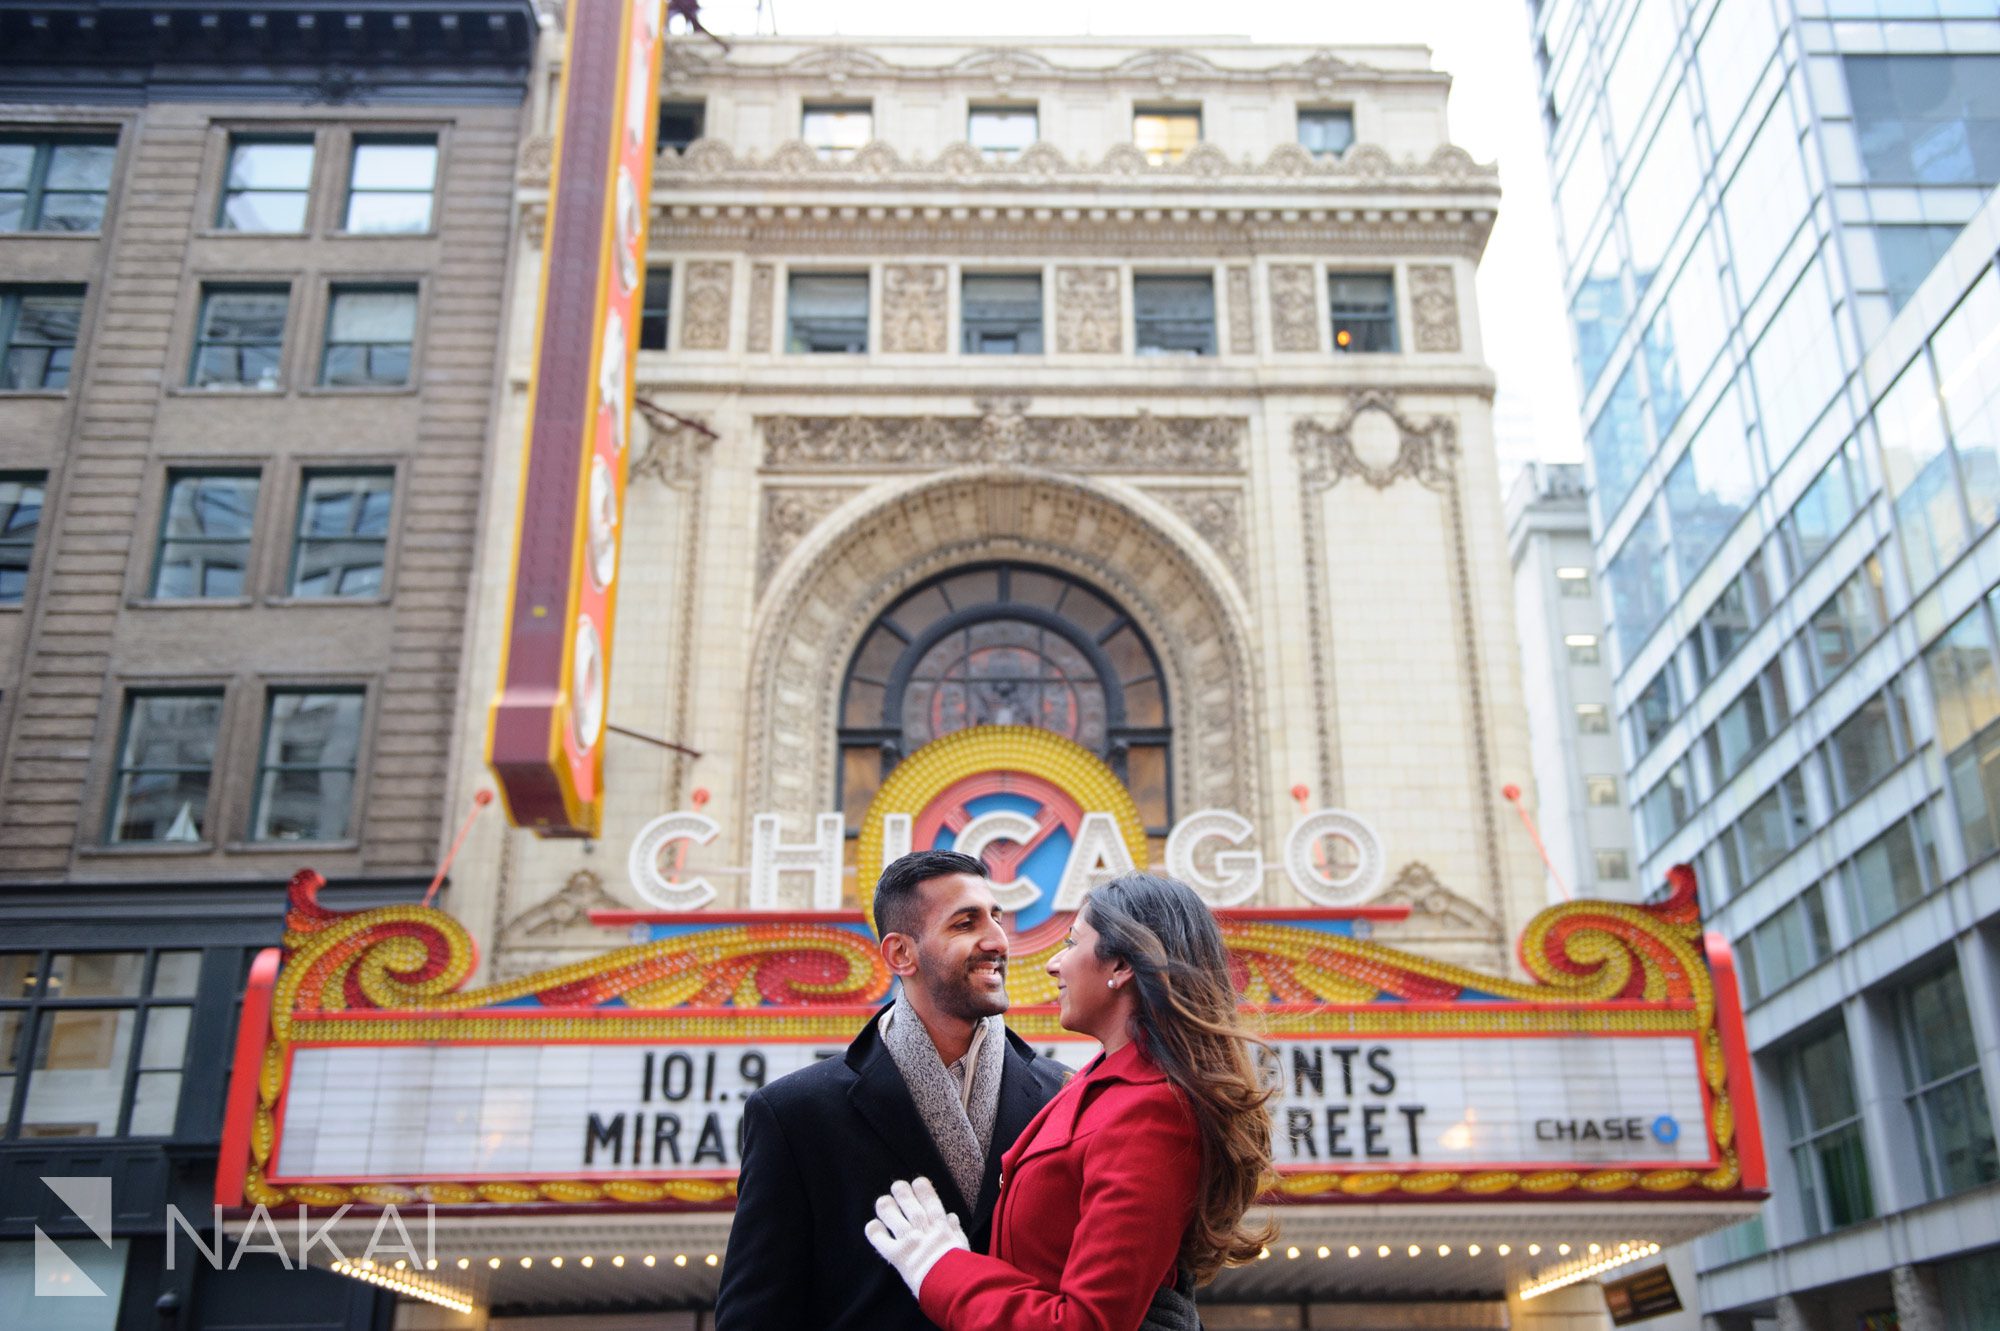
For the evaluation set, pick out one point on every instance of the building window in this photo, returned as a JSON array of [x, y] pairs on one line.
[[1768, 831], [1326, 133], [267, 185], [1582, 648], [166, 756], [369, 333], [1965, 688], [1364, 311], [1001, 132], [38, 337], [1007, 644], [1601, 790], [1166, 134], [1825, 1119], [1894, 871], [205, 532], [1926, 119], [1728, 623], [1173, 316], [827, 313], [55, 184], [20, 524], [1666, 806], [1654, 709], [1574, 582], [1001, 315], [681, 124], [392, 186], [100, 1037], [653, 308], [1868, 745], [1613, 866], [305, 778], [1785, 946], [1824, 510], [1593, 718], [240, 337], [1753, 717], [1907, 253], [1947, 1096], [837, 132], [1848, 621], [343, 533]]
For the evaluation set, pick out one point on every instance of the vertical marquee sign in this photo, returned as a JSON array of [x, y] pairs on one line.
[[546, 738]]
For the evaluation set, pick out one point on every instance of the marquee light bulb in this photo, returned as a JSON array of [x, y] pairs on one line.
[[1534, 1250], [680, 1259], [464, 1262], [1414, 1250], [1505, 1249], [1353, 1251], [1325, 1251], [1596, 1248], [1444, 1250], [493, 1262], [556, 1262], [1382, 1251], [651, 1259], [619, 1260], [711, 1259], [1292, 1254], [1472, 1251], [1562, 1249], [527, 1262]]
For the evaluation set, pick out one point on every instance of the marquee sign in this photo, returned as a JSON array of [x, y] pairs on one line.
[[366, 1074], [546, 737]]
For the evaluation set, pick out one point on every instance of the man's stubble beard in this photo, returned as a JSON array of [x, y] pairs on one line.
[[950, 987]]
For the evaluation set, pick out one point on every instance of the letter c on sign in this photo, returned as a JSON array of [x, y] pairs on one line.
[[652, 842], [1358, 883], [1666, 1129]]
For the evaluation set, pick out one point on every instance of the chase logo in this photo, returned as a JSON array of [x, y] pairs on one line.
[[1666, 1130], [57, 1276]]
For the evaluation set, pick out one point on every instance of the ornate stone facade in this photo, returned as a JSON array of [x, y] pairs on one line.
[[1090, 316], [1294, 308], [1433, 308], [1242, 313], [705, 305], [1141, 442], [914, 307], [763, 288]]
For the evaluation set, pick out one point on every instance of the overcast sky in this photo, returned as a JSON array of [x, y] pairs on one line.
[[1483, 44]]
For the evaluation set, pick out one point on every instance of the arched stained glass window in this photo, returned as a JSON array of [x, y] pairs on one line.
[[1006, 644]]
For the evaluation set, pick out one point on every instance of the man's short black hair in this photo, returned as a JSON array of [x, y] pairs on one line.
[[896, 900]]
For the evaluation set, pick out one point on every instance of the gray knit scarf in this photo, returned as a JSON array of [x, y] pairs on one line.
[[963, 1133]]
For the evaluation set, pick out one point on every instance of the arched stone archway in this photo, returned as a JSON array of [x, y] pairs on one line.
[[832, 586]]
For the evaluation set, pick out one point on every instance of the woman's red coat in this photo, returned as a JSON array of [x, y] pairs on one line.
[[1094, 1198]]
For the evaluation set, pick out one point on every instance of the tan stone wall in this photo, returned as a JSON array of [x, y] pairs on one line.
[[90, 632]]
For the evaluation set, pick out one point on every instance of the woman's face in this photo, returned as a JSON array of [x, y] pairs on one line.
[[1093, 995]]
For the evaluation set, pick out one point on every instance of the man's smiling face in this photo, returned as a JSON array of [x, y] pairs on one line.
[[961, 947]]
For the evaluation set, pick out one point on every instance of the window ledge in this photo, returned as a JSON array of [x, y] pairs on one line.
[[234, 233], [289, 847], [189, 602], [431, 234], [344, 602], [358, 390], [125, 850], [33, 394], [225, 394], [92, 236]]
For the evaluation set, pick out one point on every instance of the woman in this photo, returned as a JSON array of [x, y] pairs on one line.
[[1141, 1169]]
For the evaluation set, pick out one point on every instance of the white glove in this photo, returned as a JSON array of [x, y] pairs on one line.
[[912, 1230]]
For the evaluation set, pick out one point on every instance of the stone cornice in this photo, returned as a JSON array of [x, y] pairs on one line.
[[1161, 71], [1250, 384]]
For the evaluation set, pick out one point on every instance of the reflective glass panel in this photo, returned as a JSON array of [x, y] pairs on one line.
[[1917, 467], [1598, 312], [161, 790], [1166, 136], [1766, 200], [305, 782], [205, 535], [837, 132], [1927, 119], [1618, 444], [1662, 191], [1638, 576], [1967, 351], [391, 187], [1685, 335], [1797, 364], [343, 534], [1710, 488], [20, 525], [1001, 132], [267, 185]]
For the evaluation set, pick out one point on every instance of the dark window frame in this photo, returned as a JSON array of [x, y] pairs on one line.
[[422, 139], [259, 138], [209, 292], [115, 802], [1159, 325], [35, 197], [328, 346], [1331, 115], [161, 540], [12, 297], [265, 766], [300, 539], [16, 553]]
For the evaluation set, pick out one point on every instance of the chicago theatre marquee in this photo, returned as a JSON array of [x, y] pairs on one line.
[[1081, 452]]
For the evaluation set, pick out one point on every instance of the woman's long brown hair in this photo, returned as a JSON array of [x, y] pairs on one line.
[[1187, 1023]]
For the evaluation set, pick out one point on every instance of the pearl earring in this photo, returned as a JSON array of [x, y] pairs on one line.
[[1111, 984]]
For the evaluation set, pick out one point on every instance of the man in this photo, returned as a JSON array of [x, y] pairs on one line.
[[935, 1086]]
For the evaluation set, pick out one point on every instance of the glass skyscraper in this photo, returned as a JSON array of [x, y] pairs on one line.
[[1778, 229]]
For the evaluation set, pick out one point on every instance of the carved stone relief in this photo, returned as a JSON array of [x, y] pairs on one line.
[[763, 284], [1426, 453], [1434, 307], [789, 513], [1294, 310], [1242, 313], [566, 912], [914, 316], [705, 306], [673, 454], [1435, 908], [1217, 515], [1090, 318], [1002, 434], [842, 575]]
